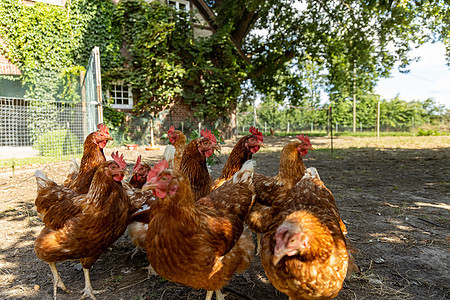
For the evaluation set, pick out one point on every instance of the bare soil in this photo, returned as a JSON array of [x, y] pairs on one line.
[[393, 195]]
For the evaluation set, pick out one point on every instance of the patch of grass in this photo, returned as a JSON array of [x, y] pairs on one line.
[[19, 162]]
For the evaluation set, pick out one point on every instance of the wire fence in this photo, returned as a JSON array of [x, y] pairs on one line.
[[320, 128], [31, 127]]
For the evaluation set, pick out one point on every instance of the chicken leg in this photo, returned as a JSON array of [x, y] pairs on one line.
[[57, 281], [219, 295], [258, 243], [88, 292]]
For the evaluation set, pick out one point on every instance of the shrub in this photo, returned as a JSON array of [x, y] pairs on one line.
[[424, 132], [57, 143]]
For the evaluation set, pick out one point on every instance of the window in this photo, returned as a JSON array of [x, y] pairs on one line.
[[121, 94], [179, 4]]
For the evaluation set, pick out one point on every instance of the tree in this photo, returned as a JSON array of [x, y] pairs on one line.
[[366, 36]]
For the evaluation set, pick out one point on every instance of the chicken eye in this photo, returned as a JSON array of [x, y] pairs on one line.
[[293, 240], [164, 178]]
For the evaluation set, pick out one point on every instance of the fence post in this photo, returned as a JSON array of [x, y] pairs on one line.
[[199, 127], [361, 126], [312, 127], [98, 78], [83, 104], [265, 127], [337, 126], [182, 126], [288, 127]]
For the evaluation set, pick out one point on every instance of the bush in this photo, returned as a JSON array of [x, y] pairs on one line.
[[57, 143], [429, 132]]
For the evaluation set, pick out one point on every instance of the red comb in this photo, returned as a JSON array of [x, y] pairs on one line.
[[103, 128], [207, 134], [138, 162], [157, 168], [119, 160], [304, 138], [257, 133], [171, 129]]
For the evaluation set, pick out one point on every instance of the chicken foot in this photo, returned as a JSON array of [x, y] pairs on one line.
[[258, 243], [219, 295], [88, 292], [57, 281]]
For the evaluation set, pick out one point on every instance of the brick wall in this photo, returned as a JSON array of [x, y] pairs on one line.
[[7, 68]]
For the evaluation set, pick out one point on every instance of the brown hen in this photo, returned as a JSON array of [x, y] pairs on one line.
[[198, 245], [304, 252], [83, 226]]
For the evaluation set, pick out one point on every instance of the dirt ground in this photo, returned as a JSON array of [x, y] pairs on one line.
[[393, 195]]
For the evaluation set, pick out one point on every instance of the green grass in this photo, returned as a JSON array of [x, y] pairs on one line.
[[18, 162]]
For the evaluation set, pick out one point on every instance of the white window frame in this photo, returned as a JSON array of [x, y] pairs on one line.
[[130, 95], [178, 2]]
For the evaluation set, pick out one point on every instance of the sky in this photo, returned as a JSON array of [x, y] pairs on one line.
[[428, 78]]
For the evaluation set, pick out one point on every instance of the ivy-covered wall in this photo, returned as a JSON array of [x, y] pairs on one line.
[[148, 45]]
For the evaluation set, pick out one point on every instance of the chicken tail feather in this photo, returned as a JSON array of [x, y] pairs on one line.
[[169, 154], [73, 166], [311, 173], [245, 174], [41, 179]]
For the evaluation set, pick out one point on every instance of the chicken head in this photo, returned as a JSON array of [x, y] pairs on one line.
[[254, 141], [161, 181], [140, 170], [207, 144], [102, 136], [117, 168], [305, 144], [173, 135]]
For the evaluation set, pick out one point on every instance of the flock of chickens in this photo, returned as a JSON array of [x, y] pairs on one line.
[[195, 231]]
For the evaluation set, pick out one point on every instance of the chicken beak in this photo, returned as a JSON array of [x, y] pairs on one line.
[[276, 258], [278, 254], [216, 147], [311, 148], [262, 145]]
